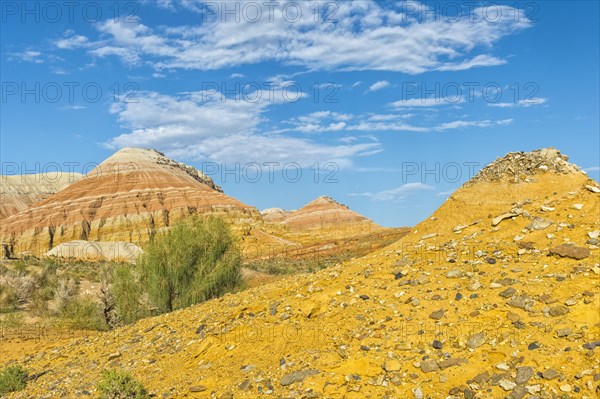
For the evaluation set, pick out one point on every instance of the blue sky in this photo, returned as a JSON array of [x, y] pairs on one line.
[[386, 106]]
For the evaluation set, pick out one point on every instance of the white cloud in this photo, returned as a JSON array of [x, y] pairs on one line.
[[477, 61], [444, 193], [382, 84], [206, 126], [464, 124], [72, 42], [327, 121], [592, 169], [396, 194], [530, 102], [27, 56], [427, 102], [367, 36]]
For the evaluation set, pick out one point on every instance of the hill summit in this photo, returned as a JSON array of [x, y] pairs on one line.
[[522, 166]]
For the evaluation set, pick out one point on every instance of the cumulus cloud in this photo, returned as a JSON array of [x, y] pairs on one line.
[[206, 126], [382, 84], [367, 36]]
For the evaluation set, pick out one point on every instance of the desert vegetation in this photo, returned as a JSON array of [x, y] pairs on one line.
[[13, 378], [196, 260], [119, 384]]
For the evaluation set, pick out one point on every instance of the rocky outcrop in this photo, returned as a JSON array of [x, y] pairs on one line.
[[129, 197], [18, 192], [522, 166]]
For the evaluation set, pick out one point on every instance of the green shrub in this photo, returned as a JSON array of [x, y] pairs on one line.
[[82, 314], [197, 259], [12, 378], [125, 295], [119, 384], [9, 298]]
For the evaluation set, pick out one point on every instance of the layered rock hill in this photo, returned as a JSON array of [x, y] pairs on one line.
[[324, 212], [18, 192], [322, 227], [128, 197], [496, 295]]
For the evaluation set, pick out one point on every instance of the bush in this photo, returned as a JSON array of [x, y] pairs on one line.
[[9, 298], [65, 289], [82, 314], [118, 384], [12, 378], [197, 259], [125, 296]]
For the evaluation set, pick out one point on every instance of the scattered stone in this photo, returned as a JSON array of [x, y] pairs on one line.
[[593, 189], [565, 388], [429, 366], [523, 374], [113, 356], [507, 385], [507, 293], [496, 221], [297, 376], [482, 378], [558, 310], [418, 393], [526, 245], [476, 340], [458, 296], [437, 344], [198, 388], [503, 366], [453, 361], [491, 261], [519, 392], [391, 365], [438, 314], [245, 385], [522, 302], [570, 251], [539, 224], [550, 374], [563, 332], [454, 274], [547, 209], [578, 206], [591, 345], [364, 297], [533, 346]]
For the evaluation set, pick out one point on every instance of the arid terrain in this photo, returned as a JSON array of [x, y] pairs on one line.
[[496, 294]]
